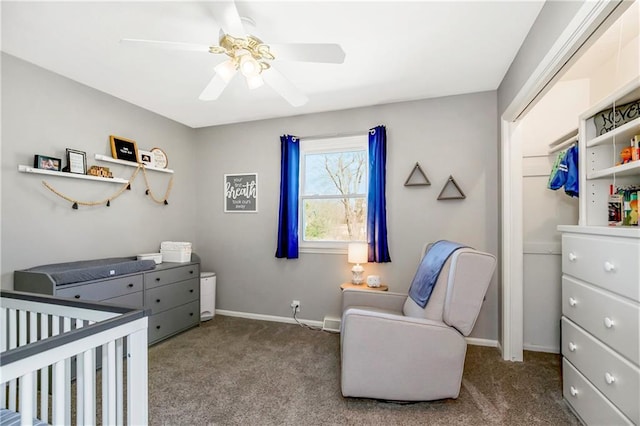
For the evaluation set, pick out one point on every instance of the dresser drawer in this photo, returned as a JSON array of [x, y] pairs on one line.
[[611, 318], [611, 374], [102, 290], [608, 262], [162, 298], [172, 275], [173, 321], [592, 406], [135, 300]]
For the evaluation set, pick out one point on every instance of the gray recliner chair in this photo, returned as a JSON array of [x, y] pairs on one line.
[[392, 349]]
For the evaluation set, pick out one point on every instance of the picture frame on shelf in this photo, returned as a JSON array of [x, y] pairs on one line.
[[241, 193], [45, 162], [160, 159], [124, 149], [146, 158], [76, 162]]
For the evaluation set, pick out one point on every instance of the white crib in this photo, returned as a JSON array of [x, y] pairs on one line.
[[50, 349]]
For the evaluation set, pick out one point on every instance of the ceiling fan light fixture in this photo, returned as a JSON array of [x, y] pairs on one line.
[[226, 70], [254, 81], [249, 67]]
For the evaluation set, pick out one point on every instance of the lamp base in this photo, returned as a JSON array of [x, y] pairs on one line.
[[357, 273]]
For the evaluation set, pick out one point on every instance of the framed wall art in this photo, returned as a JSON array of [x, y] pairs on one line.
[[241, 193], [124, 149], [46, 163], [76, 162], [146, 158]]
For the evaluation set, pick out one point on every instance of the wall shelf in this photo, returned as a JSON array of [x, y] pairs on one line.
[[622, 135], [628, 169], [28, 169], [129, 163]]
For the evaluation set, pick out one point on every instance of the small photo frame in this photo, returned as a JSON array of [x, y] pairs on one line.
[[146, 158], [46, 163], [76, 162], [124, 149]]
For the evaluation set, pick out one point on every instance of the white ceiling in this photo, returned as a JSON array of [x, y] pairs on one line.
[[395, 51]]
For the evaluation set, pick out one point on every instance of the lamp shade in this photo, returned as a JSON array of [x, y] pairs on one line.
[[358, 253]]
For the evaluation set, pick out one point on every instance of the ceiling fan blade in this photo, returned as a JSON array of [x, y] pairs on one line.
[[309, 52], [284, 87], [227, 16], [214, 89], [171, 45]]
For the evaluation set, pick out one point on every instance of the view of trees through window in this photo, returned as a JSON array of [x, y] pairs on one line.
[[334, 197]]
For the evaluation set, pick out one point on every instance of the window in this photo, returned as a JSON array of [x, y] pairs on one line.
[[333, 192]]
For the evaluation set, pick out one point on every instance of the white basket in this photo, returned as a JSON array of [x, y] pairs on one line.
[[175, 251]]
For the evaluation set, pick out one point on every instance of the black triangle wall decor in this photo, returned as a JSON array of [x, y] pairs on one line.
[[451, 181], [417, 171]]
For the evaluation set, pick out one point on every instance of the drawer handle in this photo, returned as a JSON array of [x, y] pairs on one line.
[[572, 347], [157, 300], [608, 322], [572, 257], [609, 267], [191, 272], [77, 296], [572, 301], [609, 378], [130, 285], [157, 327], [191, 291], [573, 391], [190, 314], [158, 279]]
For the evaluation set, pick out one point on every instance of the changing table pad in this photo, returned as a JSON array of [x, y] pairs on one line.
[[87, 270]]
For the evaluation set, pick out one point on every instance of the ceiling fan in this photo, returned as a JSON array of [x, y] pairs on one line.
[[251, 56]]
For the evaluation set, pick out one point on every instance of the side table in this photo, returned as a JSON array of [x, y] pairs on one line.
[[364, 286]]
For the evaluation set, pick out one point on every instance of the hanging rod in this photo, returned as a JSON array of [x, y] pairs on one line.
[[333, 135], [563, 142]]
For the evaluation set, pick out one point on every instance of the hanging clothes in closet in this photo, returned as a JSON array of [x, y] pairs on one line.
[[565, 172]]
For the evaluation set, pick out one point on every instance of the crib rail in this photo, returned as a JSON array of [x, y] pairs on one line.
[[50, 346]]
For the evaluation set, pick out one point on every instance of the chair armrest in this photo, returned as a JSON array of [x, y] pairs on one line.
[[376, 299]]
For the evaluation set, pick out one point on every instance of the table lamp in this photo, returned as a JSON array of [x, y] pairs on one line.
[[358, 253]]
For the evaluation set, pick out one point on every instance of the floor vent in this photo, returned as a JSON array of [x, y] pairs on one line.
[[331, 324]]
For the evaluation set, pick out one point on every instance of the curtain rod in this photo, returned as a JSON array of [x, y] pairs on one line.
[[333, 135]]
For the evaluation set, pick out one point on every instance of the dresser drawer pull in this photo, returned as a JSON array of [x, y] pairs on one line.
[[572, 347], [77, 296], [191, 291], [190, 314], [609, 378], [157, 327], [608, 322], [130, 285], [574, 391], [158, 279], [572, 301], [609, 267], [191, 272], [157, 300], [572, 257]]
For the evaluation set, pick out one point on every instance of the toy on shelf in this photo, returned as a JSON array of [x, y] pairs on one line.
[[625, 155]]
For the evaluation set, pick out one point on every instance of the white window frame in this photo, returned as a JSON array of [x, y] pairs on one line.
[[318, 146]]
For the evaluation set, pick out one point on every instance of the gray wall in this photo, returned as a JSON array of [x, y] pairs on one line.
[[447, 136], [44, 113]]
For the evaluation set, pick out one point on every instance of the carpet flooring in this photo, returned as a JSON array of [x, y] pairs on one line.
[[235, 371]]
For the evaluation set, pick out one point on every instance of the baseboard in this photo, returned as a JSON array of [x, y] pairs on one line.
[[262, 317], [476, 341], [538, 348]]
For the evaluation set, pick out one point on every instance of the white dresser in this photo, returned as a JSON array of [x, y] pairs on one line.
[[601, 281]]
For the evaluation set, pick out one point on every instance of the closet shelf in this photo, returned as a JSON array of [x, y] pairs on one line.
[[623, 134], [130, 163], [28, 169], [629, 169], [564, 142]]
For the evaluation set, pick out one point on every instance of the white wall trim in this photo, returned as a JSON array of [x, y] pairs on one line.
[[538, 348], [476, 341], [273, 318], [584, 23]]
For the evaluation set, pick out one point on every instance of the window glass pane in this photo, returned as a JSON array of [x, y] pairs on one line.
[[334, 219], [335, 173]]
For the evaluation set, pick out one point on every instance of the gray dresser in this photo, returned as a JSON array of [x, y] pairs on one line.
[[171, 292]]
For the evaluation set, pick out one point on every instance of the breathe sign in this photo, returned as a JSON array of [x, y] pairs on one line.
[[241, 193]]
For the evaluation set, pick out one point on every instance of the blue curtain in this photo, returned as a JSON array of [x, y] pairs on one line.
[[289, 184], [376, 201]]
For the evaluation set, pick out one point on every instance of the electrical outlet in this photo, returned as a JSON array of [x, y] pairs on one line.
[[295, 306]]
